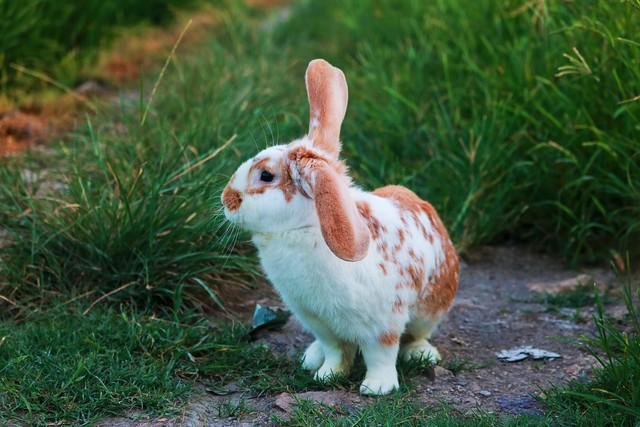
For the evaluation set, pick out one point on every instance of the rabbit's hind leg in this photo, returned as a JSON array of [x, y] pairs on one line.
[[415, 340]]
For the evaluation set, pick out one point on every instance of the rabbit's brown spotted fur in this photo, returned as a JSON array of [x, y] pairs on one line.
[[443, 285], [389, 338]]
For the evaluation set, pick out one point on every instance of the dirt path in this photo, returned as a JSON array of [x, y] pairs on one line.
[[494, 310]]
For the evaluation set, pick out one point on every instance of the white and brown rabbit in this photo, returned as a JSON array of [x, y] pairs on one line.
[[369, 270]]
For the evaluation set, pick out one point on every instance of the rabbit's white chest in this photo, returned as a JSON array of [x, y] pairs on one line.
[[322, 290]]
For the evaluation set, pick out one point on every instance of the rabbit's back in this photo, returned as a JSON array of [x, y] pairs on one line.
[[419, 250]]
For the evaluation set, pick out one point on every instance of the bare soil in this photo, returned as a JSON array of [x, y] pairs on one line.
[[20, 129], [494, 310]]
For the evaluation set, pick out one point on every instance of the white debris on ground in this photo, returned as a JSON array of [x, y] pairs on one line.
[[521, 353]]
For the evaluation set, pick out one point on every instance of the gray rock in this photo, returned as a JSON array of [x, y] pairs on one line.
[[519, 405]]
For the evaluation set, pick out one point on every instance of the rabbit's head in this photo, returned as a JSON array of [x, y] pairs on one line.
[[304, 184]]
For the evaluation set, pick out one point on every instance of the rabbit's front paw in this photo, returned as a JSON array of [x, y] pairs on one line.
[[313, 357], [379, 385]]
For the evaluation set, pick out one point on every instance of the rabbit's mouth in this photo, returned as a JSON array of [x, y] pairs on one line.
[[233, 217]]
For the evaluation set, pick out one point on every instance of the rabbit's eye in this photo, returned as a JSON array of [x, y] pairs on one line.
[[266, 176]]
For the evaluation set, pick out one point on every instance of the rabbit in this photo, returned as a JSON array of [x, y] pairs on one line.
[[374, 271]]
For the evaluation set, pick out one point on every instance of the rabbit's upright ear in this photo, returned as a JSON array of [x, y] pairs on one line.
[[343, 229], [328, 97]]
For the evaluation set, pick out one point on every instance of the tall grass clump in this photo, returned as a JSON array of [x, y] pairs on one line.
[[132, 211], [516, 118], [612, 396]]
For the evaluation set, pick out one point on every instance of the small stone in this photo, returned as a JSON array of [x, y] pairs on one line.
[[459, 341], [223, 390], [331, 397], [284, 402], [485, 393], [48, 187], [519, 405], [467, 304], [28, 176], [92, 87], [441, 372], [4, 237], [555, 288], [617, 312]]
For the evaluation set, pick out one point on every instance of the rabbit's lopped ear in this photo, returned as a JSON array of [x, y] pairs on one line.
[[343, 229], [328, 97]]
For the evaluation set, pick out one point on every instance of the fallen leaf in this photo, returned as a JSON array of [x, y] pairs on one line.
[[268, 318]]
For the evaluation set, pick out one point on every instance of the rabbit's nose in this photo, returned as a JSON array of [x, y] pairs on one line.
[[231, 198]]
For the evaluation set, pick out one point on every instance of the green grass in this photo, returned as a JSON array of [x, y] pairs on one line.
[[261, 371], [109, 362], [470, 106], [457, 365], [583, 295], [399, 409], [73, 369], [234, 409], [612, 396], [62, 366], [59, 38]]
